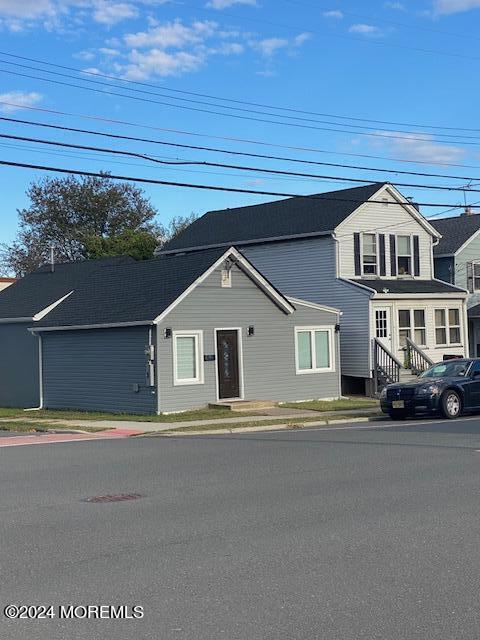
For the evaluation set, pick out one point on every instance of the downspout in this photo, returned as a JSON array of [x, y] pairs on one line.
[[466, 336], [40, 376]]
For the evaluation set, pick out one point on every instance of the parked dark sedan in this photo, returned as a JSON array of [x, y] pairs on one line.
[[450, 388]]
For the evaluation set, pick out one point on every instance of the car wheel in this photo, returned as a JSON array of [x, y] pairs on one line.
[[397, 415], [451, 404]]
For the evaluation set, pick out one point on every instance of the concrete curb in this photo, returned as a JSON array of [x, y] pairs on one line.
[[271, 427]]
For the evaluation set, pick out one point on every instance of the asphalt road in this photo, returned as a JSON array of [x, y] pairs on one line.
[[335, 535]]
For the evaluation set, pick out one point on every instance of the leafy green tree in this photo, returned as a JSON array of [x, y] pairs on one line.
[[81, 218]]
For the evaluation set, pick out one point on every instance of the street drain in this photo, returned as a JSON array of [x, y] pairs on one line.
[[121, 497]]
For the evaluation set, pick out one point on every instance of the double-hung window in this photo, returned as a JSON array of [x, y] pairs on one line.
[[404, 255], [447, 326], [314, 349], [412, 322], [473, 276], [187, 357], [369, 254]]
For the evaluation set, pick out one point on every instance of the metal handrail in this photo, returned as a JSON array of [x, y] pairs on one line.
[[417, 360], [386, 367]]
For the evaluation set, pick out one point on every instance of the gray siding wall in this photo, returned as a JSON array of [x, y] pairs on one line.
[[95, 369], [19, 385], [444, 269], [469, 253], [307, 269], [268, 356]]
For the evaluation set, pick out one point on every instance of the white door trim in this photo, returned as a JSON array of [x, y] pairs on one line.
[[389, 339], [240, 363]]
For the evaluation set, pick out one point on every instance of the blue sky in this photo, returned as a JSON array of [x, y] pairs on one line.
[[408, 62]]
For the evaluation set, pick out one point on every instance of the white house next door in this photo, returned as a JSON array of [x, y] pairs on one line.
[[383, 330]]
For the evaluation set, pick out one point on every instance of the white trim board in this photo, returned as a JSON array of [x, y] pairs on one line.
[[106, 325], [314, 305]]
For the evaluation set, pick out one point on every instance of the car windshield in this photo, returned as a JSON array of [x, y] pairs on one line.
[[446, 370]]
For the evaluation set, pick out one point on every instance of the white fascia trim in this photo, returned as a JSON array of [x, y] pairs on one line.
[[357, 284], [248, 267], [314, 305], [44, 312], [12, 320], [467, 242], [395, 193], [106, 325], [429, 296]]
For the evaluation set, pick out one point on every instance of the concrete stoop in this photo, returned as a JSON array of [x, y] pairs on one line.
[[244, 405]]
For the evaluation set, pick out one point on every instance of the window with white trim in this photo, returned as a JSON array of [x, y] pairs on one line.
[[369, 254], [404, 255], [187, 357], [314, 349], [447, 327], [412, 320]]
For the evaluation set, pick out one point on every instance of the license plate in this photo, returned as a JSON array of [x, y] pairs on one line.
[[398, 404]]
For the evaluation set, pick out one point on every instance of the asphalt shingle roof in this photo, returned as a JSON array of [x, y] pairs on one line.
[[409, 286], [38, 290], [131, 292], [455, 231], [320, 213]]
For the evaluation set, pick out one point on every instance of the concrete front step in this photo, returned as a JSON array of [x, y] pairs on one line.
[[244, 405], [406, 375]]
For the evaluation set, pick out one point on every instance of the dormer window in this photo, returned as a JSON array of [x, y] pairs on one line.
[[369, 254], [404, 255]]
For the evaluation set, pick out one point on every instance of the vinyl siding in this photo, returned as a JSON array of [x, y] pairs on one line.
[[96, 369], [385, 219], [307, 269], [469, 253], [19, 386], [268, 356]]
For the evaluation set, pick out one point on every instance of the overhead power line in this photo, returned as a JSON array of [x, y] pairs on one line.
[[233, 115], [262, 143], [186, 185], [126, 81], [205, 163], [230, 152]]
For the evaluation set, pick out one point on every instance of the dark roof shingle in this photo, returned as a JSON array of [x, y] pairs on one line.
[[132, 292], [408, 286], [38, 290], [455, 231], [320, 213]]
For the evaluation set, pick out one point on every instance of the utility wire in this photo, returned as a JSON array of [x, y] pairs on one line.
[[232, 115], [235, 108], [324, 197], [204, 163], [235, 153], [262, 143]]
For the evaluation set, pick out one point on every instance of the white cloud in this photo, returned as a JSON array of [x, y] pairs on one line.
[[224, 4], [25, 8], [365, 29], [301, 38], [269, 46], [171, 34], [157, 62], [110, 13], [447, 7], [334, 13], [18, 99], [422, 147], [107, 51]]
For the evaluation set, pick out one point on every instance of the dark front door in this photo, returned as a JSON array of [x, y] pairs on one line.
[[228, 373]]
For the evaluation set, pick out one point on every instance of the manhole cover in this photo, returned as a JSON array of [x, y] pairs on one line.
[[120, 497]]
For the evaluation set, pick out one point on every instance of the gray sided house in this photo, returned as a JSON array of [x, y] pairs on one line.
[[457, 261], [179, 332], [366, 251], [23, 304]]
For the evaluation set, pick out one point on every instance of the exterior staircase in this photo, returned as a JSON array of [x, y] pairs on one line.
[[387, 369]]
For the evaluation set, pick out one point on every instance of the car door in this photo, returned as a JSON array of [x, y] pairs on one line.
[[472, 387]]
